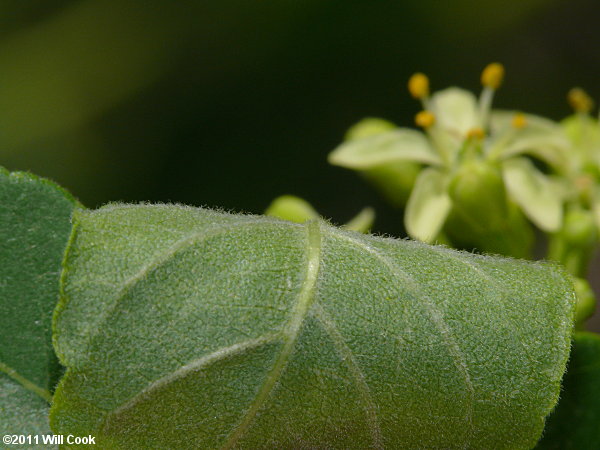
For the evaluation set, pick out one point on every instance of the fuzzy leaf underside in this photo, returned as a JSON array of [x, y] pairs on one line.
[[189, 328]]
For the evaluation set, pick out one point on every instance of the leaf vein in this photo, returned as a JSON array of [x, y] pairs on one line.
[[12, 373], [434, 313], [348, 357], [157, 261], [291, 332], [194, 366]]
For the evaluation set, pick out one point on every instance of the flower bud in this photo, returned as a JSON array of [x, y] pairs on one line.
[[586, 301], [579, 228], [477, 190]]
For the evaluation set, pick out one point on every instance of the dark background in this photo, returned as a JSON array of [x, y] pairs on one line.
[[232, 103]]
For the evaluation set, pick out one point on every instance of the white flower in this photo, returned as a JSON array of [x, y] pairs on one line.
[[461, 132]]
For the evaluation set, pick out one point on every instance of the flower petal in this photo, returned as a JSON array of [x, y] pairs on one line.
[[455, 111], [584, 133], [534, 192], [369, 126], [501, 121], [540, 138], [391, 146], [428, 206]]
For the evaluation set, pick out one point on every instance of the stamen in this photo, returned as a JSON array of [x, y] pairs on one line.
[[476, 133], [425, 119], [519, 121], [492, 76], [418, 86], [579, 100]]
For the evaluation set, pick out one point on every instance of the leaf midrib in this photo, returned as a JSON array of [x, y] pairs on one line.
[[290, 333]]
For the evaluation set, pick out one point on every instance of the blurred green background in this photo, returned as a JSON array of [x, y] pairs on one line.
[[231, 103]]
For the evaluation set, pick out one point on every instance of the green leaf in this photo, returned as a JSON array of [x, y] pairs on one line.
[[35, 223], [22, 412], [534, 192], [428, 205], [184, 327], [574, 423], [402, 144]]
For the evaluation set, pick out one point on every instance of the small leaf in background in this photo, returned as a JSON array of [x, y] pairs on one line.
[[428, 205], [576, 421], [362, 222], [184, 327], [35, 223], [292, 208], [295, 209]]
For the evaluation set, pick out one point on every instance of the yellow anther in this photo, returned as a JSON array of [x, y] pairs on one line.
[[519, 121], [424, 119], [493, 75], [418, 85], [476, 133], [579, 100]]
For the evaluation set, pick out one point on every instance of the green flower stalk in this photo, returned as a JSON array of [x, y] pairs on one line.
[[477, 181]]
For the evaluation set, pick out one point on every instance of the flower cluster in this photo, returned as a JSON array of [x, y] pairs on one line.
[[478, 178], [479, 169]]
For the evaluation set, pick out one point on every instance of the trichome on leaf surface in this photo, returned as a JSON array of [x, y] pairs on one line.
[[166, 326]]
